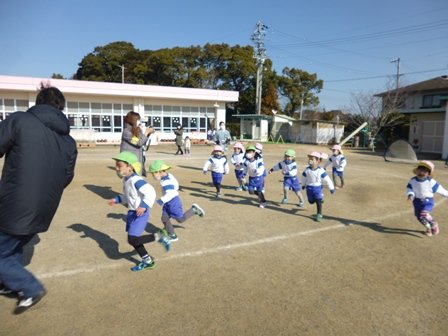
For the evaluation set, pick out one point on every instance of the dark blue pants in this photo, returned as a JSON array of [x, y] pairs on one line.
[[12, 272]]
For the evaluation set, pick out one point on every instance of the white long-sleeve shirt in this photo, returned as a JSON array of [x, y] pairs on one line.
[[217, 165], [424, 188], [237, 160], [315, 177], [288, 169], [254, 168], [136, 193], [170, 188], [337, 161]]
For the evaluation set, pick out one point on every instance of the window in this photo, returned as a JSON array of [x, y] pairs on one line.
[[431, 101]]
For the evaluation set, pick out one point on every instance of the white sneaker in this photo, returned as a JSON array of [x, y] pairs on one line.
[[198, 210]]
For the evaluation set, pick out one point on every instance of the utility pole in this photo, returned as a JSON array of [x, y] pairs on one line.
[[122, 72], [397, 81], [260, 56]]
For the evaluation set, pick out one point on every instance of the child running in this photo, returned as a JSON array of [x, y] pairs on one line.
[[219, 167], [420, 191], [312, 178], [288, 168], [254, 168], [338, 162], [237, 160], [170, 201], [139, 197]]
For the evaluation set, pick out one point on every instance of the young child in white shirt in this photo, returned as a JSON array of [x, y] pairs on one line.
[[420, 191]]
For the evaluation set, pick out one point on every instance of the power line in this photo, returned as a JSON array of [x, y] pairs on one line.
[[383, 76], [369, 36]]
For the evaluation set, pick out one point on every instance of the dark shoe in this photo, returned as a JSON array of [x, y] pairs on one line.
[[4, 290], [144, 265], [26, 303], [172, 237]]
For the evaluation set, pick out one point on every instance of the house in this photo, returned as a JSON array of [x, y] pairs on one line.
[[96, 110], [426, 104], [262, 127]]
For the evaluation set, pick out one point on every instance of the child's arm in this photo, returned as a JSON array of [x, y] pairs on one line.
[[116, 200], [439, 189], [342, 162], [410, 192], [206, 165], [275, 168], [329, 162], [304, 179], [226, 167], [328, 181], [148, 195]]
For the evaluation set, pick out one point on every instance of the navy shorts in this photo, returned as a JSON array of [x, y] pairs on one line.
[[256, 183], [314, 193], [338, 173], [135, 225], [216, 178], [239, 174], [422, 204], [173, 208], [291, 183]]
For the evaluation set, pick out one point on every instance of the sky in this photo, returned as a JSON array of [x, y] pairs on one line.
[[352, 45]]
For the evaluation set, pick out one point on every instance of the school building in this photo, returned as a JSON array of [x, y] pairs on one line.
[[96, 109]]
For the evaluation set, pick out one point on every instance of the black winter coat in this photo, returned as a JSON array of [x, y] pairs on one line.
[[40, 158]]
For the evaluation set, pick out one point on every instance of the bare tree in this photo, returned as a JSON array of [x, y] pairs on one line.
[[379, 111]]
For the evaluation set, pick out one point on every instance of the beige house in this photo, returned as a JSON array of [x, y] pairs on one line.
[[263, 127], [426, 104]]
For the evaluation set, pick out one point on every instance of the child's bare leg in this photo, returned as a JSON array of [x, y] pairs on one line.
[[167, 223], [299, 196]]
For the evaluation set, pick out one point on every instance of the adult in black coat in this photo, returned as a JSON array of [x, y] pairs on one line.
[[40, 158], [179, 131]]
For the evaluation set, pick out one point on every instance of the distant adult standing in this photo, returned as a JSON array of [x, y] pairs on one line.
[[40, 158], [222, 136], [179, 131], [133, 139]]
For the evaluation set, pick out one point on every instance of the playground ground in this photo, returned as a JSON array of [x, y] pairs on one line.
[[367, 269]]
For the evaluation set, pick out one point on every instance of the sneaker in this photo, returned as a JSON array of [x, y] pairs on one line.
[[435, 229], [198, 210], [173, 237], [428, 232], [301, 204], [26, 303], [165, 241], [284, 201], [239, 188], [245, 188], [218, 195], [319, 218], [144, 264], [262, 205]]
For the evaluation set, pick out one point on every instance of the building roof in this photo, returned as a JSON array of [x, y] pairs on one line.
[[32, 84], [437, 83]]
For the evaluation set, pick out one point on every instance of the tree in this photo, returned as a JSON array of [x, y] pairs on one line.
[[57, 76], [104, 63], [300, 88], [382, 115]]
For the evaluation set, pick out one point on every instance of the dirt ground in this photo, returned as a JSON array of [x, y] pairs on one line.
[[367, 269]]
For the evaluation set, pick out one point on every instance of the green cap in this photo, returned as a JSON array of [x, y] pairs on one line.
[[250, 148], [131, 159], [158, 165], [290, 152]]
